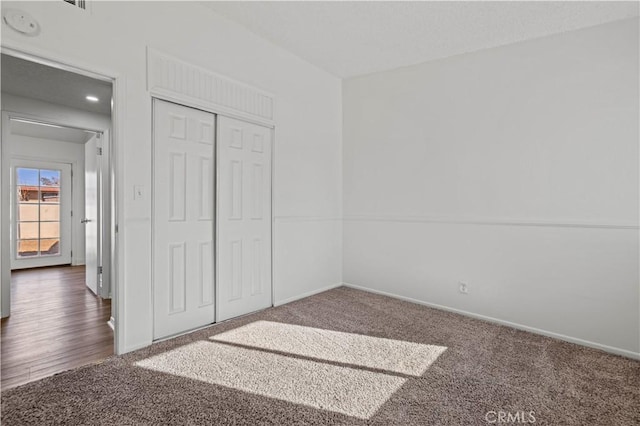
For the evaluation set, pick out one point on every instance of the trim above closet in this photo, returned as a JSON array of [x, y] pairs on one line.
[[175, 80]]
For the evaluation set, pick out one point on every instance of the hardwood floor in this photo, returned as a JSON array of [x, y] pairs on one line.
[[56, 324]]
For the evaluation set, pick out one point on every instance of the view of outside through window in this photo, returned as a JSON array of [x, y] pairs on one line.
[[38, 212]]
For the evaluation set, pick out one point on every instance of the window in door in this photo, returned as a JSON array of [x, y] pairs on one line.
[[38, 212]]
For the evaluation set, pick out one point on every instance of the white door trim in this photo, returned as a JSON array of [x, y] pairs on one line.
[[116, 173], [74, 168], [179, 99], [66, 202]]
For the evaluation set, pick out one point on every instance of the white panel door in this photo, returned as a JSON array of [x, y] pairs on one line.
[[244, 218], [92, 219], [183, 206]]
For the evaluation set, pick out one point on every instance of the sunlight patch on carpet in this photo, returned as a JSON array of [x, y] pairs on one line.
[[354, 392], [395, 356]]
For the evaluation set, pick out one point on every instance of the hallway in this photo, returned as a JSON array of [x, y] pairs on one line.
[[56, 324]]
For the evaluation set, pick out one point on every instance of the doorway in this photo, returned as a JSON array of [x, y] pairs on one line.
[[41, 213], [56, 220]]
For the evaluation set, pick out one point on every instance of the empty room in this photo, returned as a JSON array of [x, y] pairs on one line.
[[355, 213]]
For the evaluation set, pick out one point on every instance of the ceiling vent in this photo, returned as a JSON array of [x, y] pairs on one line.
[[81, 4]]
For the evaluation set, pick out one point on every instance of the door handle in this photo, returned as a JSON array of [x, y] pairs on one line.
[[85, 221]]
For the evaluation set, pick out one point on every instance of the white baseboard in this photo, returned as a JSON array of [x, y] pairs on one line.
[[610, 349], [134, 347], [307, 294]]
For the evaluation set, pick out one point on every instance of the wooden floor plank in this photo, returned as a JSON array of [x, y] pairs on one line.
[[56, 324]]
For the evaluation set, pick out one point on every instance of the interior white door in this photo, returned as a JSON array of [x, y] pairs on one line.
[[93, 218], [41, 219], [244, 218], [183, 206]]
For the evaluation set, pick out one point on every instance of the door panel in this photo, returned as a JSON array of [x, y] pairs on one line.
[[244, 213], [92, 209], [183, 201]]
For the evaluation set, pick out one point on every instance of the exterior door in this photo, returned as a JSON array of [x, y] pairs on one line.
[[183, 218], [244, 218], [41, 220], [92, 219]]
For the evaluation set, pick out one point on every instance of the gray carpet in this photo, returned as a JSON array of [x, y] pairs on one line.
[[342, 357]]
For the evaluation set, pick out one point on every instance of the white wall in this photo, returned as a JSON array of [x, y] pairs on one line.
[[25, 146], [307, 185], [514, 169]]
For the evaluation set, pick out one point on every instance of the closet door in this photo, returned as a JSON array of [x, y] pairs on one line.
[[183, 218], [244, 218]]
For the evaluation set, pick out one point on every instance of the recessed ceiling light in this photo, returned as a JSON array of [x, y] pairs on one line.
[[92, 98]]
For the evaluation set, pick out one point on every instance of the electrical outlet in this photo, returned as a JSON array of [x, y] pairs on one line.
[[463, 287]]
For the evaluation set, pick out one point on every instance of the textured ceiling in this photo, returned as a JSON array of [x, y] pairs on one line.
[[63, 134], [32, 80], [354, 38]]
